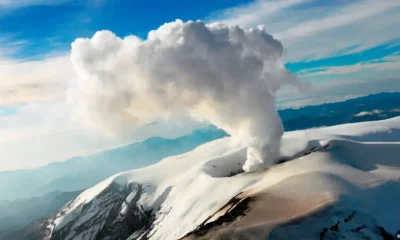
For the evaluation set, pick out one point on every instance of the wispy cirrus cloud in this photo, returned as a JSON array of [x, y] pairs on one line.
[[312, 29], [363, 66], [343, 48], [349, 14], [251, 14], [10, 46]]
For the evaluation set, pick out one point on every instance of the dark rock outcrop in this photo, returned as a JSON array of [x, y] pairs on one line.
[[114, 214]]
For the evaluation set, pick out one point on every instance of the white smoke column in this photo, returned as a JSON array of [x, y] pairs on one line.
[[225, 75]]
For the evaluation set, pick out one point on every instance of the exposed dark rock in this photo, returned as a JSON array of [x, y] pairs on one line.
[[348, 225], [237, 207]]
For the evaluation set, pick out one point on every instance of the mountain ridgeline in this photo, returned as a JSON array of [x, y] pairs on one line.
[[82, 172]]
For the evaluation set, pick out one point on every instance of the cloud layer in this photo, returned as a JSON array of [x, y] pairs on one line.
[[331, 27], [34, 81], [227, 76]]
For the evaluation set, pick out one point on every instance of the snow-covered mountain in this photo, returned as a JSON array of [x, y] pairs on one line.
[[340, 182]]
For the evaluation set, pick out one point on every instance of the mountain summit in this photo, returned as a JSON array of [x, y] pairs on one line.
[[330, 183]]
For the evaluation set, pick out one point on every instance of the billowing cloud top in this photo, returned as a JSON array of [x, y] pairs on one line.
[[225, 75]]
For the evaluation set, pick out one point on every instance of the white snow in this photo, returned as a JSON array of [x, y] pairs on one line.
[[73, 209], [357, 164]]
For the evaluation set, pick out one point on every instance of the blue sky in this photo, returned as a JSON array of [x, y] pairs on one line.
[[47, 27], [343, 48]]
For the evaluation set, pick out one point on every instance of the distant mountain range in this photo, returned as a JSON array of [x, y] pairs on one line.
[[18, 214], [82, 172]]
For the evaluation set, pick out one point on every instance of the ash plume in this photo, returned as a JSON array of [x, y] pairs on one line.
[[224, 75]]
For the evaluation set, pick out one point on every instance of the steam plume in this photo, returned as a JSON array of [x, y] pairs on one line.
[[225, 75]]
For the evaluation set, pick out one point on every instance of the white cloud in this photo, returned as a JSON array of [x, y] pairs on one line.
[[41, 133], [384, 65], [322, 30], [306, 32], [105, 79], [250, 14], [9, 46], [371, 113], [340, 88], [42, 129], [310, 101], [227, 76], [31, 81], [351, 14]]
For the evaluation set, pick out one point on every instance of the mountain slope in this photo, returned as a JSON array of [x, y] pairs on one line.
[[329, 174], [18, 214]]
